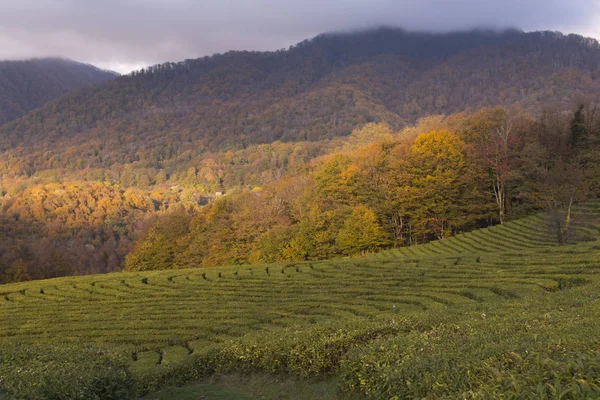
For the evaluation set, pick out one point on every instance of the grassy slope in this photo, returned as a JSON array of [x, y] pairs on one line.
[[512, 274]]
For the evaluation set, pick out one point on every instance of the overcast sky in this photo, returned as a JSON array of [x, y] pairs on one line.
[[128, 34]]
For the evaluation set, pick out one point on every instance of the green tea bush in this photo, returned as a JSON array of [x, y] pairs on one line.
[[62, 372], [372, 316], [308, 352], [472, 361], [305, 352], [184, 372]]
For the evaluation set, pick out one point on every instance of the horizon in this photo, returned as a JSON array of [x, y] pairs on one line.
[[145, 33], [128, 68]]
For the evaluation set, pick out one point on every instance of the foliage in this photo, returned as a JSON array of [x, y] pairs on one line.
[[65, 229], [288, 202], [397, 191], [354, 202], [497, 356], [441, 187], [361, 232], [297, 140], [160, 249], [26, 85], [63, 371], [319, 89], [303, 319], [310, 352]]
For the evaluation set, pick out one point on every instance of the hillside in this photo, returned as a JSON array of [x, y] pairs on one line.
[[318, 89], [106, 176], [499, 310], [526, 233], [26, 85], [287, 202]]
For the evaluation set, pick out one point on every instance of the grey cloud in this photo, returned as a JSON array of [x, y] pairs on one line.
[[130, 33]]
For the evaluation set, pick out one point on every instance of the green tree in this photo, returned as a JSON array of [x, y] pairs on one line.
[[361, 232], [161, 246], [336, 181]]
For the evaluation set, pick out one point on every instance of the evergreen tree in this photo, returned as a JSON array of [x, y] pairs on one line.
[[578, 132]]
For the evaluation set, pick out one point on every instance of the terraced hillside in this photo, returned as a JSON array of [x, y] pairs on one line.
[[534, 232], [162, 321]]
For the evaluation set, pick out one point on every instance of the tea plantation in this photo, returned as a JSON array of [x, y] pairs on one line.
[[502, 312]]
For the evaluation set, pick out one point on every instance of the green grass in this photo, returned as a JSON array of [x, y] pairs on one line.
[[251, 387], [321, 319]]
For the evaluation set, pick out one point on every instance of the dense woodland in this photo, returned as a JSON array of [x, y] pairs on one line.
[[319, 89], [341, 145], [405, 189], [27, 85]]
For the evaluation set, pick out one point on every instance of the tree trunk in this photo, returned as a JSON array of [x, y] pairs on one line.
[[567, 224], [500, 196]]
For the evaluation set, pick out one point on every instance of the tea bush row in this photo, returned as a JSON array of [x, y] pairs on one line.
[[544, 353], [307, 352], [74, 371], [63, 371]]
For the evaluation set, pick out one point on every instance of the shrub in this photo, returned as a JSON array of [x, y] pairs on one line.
[[480, 361], [63, 371], [308, 352]]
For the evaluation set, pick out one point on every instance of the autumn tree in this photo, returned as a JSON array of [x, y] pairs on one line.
[[558, 171], [492, 135], [442, 188], [159, 249], [361, 232]]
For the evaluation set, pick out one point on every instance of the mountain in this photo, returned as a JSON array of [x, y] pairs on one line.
[[318, 89], [26, 85], [127, 167]]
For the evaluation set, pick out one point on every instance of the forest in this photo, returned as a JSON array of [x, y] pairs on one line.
[[404, 189], [377, 188], [342, 145], [29, 84]]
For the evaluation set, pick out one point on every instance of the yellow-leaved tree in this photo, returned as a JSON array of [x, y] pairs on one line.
[[361, 232], [443, 189]]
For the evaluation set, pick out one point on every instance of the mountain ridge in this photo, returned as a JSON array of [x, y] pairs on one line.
[[28, 84], [320, 88]]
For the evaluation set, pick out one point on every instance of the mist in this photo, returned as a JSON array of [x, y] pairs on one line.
[[124, 35]]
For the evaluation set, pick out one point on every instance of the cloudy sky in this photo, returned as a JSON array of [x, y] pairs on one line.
[[128, 34]]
